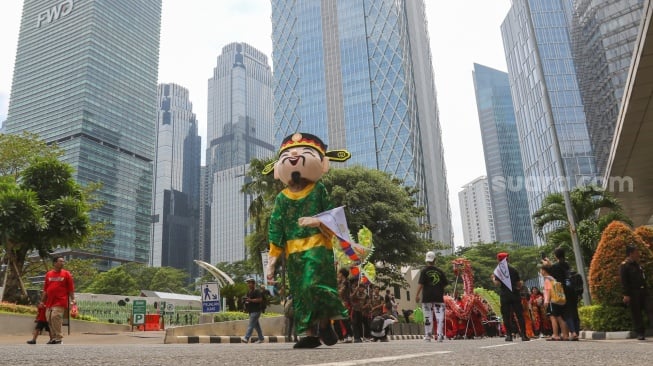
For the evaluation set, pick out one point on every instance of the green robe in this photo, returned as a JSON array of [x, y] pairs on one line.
[[310, 261]]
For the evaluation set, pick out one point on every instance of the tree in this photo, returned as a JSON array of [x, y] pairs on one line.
[[263, 189], [604, 281], [586, 202], [169, 279], [115, 281], [83, 271], [41, 210]]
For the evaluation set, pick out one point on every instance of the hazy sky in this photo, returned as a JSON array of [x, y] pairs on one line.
[[193, 33]]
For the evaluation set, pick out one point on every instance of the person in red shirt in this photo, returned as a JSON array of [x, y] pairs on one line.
[[41, 324], [58, 291]]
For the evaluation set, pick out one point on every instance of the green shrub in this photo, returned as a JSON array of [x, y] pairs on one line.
[[604, 283], [605, 318], [226, 316], [8, 307]]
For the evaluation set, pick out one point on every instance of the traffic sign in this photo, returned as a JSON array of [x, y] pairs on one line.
[[138, 311], [210, 297]]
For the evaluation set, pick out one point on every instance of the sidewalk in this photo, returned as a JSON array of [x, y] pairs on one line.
[[136, 337]]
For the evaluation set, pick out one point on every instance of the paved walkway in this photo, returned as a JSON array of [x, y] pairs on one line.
[[136, 337]]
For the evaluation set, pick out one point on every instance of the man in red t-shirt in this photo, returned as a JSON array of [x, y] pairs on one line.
[[57, 291]]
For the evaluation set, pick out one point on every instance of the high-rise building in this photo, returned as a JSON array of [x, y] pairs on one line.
[[496, 117], [240, 128], [476, 212], [175, 228], [546, 98], [603, 37], [204, 252], [86, 78], [359, 75]]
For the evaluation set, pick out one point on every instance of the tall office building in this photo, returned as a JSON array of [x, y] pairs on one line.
[[175, 228], [359, 75], [503, 163], [546, 98], [603, 37], [476, 212], [86, 78], [240, 124], [204, 252]]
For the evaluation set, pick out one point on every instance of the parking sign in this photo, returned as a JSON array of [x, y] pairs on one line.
[[138, 312]]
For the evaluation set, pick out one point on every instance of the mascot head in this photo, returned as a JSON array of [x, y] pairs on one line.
[[303, 156]]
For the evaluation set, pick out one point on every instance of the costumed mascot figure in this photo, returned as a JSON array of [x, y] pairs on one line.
[[307, 244]]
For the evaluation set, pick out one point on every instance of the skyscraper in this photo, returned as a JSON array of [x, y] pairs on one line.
[[240, 124], [86, 77], [359, 75], [476, 212], [503, 162], [175, 228], [603, 37], [546, 98]]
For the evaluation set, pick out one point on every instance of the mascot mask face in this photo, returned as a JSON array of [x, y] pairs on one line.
[[302, 156]]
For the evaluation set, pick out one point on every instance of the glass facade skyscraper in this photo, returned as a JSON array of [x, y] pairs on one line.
[[175, 230], [85, 77], [240, 124], [359, 75], [503, 163], [545, 94], [603, 37]]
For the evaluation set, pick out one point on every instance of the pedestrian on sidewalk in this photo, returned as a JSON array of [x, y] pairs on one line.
[[41, 324], [432, 282], [58, 294], [633, 283], [507, 277], [253, 302]]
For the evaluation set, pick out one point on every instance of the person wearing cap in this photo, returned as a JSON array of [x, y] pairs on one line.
[[253, 305], [432, 282], [510, 298], [293, 231], [633, 283]]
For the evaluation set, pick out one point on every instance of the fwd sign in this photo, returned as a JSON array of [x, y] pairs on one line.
[[50, 15]]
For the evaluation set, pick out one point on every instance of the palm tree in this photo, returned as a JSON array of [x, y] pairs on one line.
[[593, 209], [263, 189]]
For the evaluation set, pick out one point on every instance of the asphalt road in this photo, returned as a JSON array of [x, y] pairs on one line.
[[134, 350]]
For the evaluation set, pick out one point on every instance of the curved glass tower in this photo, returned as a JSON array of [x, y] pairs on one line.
[[359, 75]]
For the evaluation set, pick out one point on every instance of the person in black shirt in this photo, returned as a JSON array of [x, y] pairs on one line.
[[511, 301], [253, 305], [432, 282], [633, 282]]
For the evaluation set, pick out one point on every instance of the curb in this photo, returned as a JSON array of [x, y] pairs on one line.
[[595, 335], [268, 339]]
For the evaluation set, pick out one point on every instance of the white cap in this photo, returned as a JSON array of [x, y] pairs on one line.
[[430, 256]]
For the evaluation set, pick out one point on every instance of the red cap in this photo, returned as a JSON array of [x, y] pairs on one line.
[[501, 256]]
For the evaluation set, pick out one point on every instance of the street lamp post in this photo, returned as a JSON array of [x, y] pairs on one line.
[[559, 162]]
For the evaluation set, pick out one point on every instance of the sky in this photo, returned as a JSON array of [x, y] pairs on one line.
[[193, 32]]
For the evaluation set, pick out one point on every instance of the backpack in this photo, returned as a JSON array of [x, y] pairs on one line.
[[557, 292], [574, 281], [265, 301], [376, 325]]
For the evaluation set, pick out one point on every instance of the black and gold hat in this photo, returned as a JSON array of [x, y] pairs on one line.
[[309, 140]]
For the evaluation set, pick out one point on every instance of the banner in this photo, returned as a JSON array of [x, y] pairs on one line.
[[503, 274]]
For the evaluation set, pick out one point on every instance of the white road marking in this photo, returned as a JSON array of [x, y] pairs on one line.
[[499, 345], [379, 359]]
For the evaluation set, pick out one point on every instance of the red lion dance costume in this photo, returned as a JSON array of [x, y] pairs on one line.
[[465, 315]]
